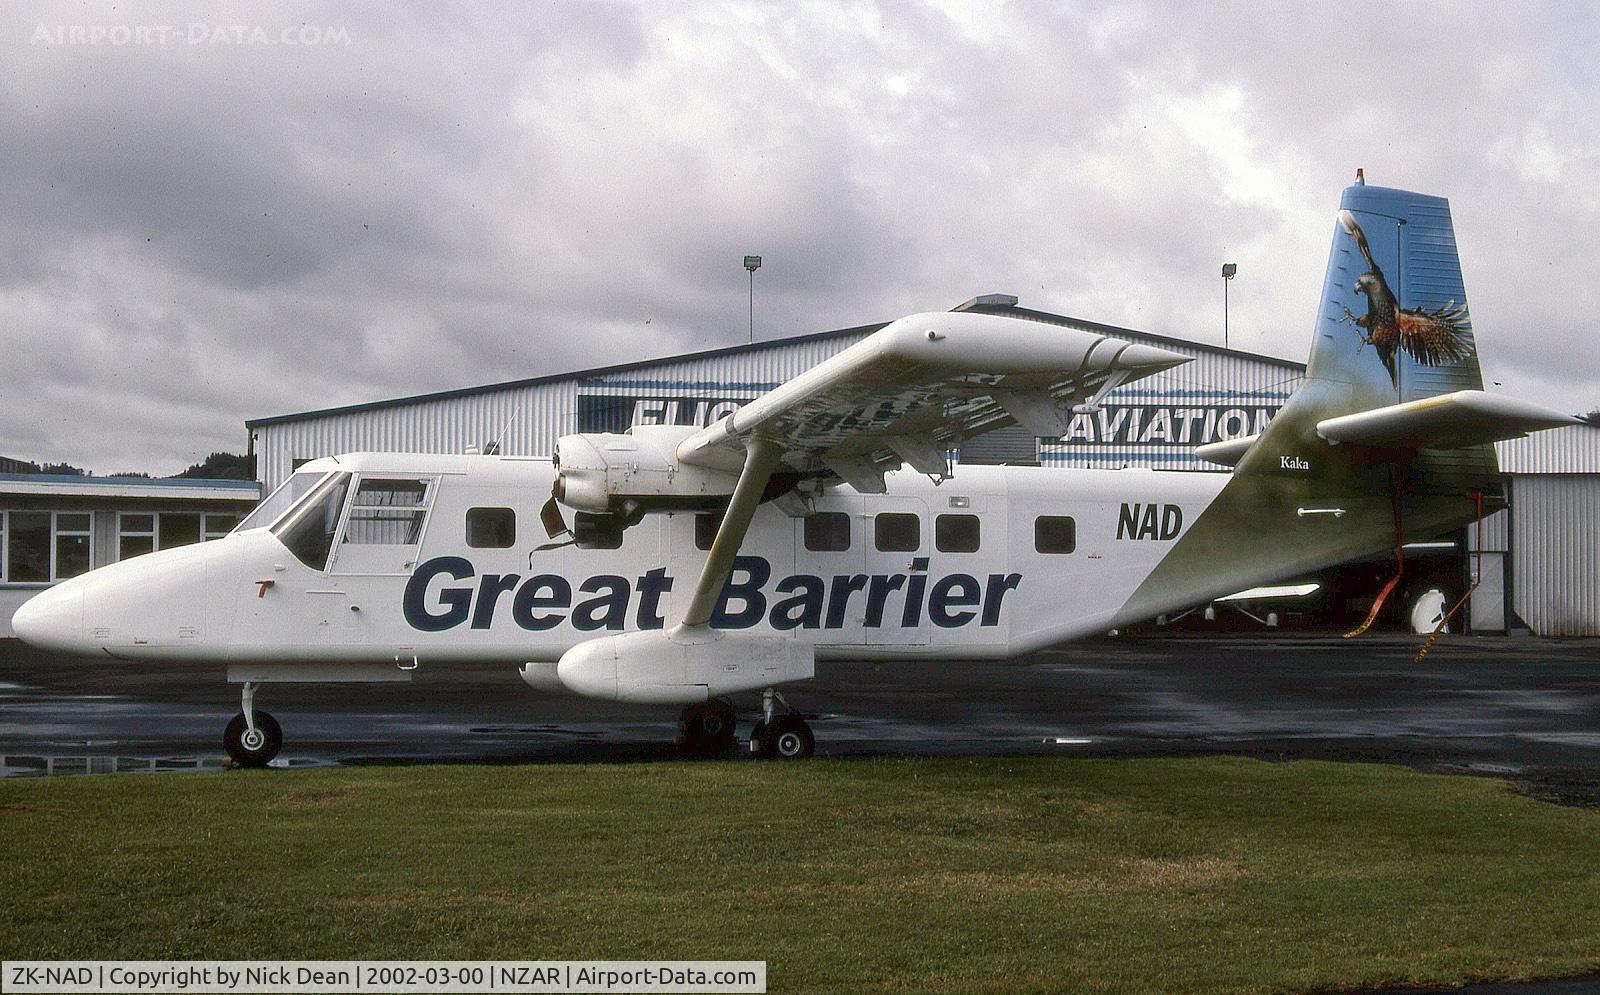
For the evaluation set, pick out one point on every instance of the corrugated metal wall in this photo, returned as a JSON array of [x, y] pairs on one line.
[[531, 416], [1156, 422], [1555, 524], [1562, 450]]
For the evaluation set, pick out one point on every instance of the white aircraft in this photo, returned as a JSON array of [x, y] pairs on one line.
[[825, 519]]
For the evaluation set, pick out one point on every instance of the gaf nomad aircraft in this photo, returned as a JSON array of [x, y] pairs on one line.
[[676, 566]]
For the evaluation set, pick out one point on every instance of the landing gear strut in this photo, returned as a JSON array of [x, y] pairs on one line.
[[781, 735], [252, 738], [707, 728]]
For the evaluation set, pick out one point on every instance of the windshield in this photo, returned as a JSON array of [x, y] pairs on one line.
[[280, 500], [308, 529]]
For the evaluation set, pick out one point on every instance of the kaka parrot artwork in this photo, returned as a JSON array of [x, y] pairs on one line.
[[1432, 338]]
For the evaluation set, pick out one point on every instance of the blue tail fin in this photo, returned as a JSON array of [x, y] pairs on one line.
[[1393, 322]]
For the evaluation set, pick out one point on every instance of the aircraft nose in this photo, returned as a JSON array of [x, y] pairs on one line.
[[52, 619]]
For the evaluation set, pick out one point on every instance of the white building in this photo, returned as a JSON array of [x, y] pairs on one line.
[[55, 527]]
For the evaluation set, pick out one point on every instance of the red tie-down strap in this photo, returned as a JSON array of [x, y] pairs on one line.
[[1399, 557], [1477, 578]]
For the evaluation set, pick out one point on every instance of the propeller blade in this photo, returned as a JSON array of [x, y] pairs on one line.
[[550, 518]]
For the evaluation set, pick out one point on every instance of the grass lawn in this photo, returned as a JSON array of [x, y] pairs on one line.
[[1210, 875]]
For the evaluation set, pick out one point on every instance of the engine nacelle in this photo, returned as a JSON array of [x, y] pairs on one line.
[[674, 666], [610, 474]]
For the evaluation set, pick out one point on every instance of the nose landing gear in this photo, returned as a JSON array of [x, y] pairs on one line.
[[252, 738]]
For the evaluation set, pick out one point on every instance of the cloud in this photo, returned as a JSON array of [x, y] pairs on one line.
[[196, 233]]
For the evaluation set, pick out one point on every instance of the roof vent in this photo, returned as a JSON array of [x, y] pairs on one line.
[[988, 300]]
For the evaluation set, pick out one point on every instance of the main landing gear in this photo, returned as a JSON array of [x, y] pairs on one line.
[[709, 729], [253, 737], [781, 735]]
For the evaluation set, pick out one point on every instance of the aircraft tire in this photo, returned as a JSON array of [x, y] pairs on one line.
[[708, 729], [261, 748], [787, 737]]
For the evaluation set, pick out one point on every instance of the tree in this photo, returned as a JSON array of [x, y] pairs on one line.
[[223, 466]]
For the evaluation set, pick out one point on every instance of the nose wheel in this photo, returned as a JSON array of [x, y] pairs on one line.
[[253, 737]]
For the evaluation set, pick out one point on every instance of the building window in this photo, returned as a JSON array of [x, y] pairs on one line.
[[136, 535], [1055, 534], [491, 528], [40, 547], [956, 533], [74, 537], [827, 532], [141, 532], [896, 532], [28, 547]]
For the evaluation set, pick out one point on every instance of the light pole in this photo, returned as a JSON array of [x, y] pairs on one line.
[[1229, 270], [752, 263]]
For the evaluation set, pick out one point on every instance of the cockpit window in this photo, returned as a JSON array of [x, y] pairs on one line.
[[281, 500], [309, 527], [383, 529], [387, 511]]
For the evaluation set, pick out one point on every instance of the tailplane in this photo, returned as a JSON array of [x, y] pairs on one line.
[[1389, 440]]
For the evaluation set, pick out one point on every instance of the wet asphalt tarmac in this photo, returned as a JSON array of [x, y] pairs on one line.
[[1524, 709]]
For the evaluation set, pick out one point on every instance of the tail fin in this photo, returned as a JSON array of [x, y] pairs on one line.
[[1393, 321], [1392, 326], [1367, 454]]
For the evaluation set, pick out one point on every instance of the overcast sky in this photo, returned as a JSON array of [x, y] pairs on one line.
[[210, 213]]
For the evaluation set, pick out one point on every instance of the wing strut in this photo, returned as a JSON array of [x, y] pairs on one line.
[[761, 458]]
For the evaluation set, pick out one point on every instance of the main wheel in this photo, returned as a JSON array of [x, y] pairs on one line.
[[708, 728], [253, 748], [786, 737]]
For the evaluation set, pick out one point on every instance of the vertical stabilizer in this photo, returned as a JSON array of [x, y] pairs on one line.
[[1392, 326]]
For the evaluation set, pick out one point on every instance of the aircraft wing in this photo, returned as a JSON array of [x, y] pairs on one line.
[[921, 386], [1448, 421]]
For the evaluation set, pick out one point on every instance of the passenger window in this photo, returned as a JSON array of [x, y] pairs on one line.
[[956, 533], [491, 528], [387, 512], [705, 529], [896, 532], [307, 530], [827, 532], [1055, 534]]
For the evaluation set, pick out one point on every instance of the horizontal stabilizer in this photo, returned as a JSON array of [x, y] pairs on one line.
[[1448, 421], [1228, 452]]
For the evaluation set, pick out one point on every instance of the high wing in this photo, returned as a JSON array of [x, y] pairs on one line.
[[908, 393], [921, 386]]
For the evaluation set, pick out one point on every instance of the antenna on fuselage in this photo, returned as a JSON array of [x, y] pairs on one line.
[[502, 436]]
